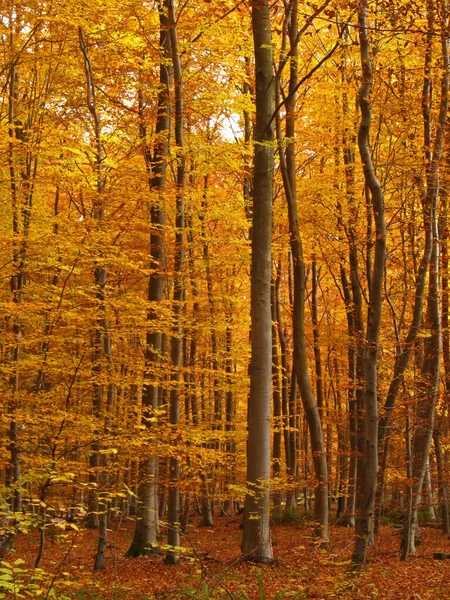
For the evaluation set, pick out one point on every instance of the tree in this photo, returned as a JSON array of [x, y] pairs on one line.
[[256, 542], [173, 537], [300, 359], [145, 541], [367, 471], [430, 369]]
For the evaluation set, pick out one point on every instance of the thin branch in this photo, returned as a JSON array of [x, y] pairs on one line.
[[307, 76]]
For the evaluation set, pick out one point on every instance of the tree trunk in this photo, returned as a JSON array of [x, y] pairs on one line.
[[229, 416], [288, 171], [367, 473], [144, 540], [173, 537], [276, 395], [442, 483], [430, 371], [256, 542]]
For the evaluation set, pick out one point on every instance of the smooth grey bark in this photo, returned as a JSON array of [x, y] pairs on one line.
[[173, 507], [248, 131], [343, 462], [316, 338], [428, 391], [92, 520], [17, 282], [256, 541], [428, 386], [442, 483], [352, 297], [354, 340], [276, 395], [23, 127], [367, 471], [283, 366], [190, 360], [102, 356], [146, 527], [428, 494], [288, 171], [229, 414], [442, 427], [288, 400], [433, 157], [409, 493], [207, 520], [353, 300]]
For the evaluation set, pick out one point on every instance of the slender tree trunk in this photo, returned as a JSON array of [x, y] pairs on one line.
[[17, 283], [276, 395], [430, 371], [316, 339], [434, 159], [284, 368], [229, 415], [288, 171], [352, 311], [367, 474], [144, 539], [102, 336], [409, 497], [428, 391], [442, 483], [442, 456], [173, 537], [428, 494]]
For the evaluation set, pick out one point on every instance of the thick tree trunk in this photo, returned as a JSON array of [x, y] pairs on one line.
[[256, 542]]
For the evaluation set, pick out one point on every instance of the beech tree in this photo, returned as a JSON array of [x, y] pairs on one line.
[[367, 469], [421, 439], [300, 358], [256, 542], [169, 174], [145, 540]]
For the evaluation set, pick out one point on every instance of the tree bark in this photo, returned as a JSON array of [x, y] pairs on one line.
[[288, 171], [145, 540], [256, 542], [430, 370], [173, 536], [367, 473]]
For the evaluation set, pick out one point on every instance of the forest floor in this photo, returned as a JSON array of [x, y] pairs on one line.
[[211, 566]]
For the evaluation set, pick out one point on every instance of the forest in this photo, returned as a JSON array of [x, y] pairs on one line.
[[224, 299]]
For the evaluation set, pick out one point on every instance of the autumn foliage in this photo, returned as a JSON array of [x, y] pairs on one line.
[[137, 147]]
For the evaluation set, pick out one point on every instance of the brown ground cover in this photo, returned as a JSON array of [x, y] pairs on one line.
[[210, 566]]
